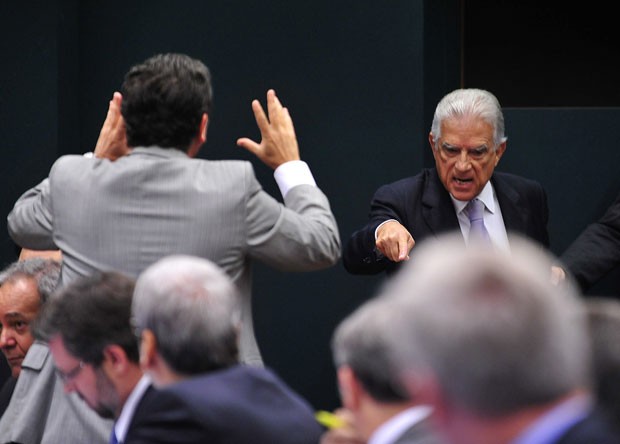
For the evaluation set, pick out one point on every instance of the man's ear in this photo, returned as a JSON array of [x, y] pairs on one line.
[[501, 149], [148, 349], [201, 136], [423, 387], [349, 387], [115, 359]]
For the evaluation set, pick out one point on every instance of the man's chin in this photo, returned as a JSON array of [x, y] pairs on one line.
[[463, 196]]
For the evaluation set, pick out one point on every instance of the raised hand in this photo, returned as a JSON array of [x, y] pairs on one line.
[[278, 140], [112, 141]]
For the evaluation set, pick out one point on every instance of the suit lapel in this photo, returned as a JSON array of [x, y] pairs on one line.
[[437, 207], [514, 213]]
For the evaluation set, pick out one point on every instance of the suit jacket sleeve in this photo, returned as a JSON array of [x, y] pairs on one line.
[[30, 223], [360, 255], [301, 235], [596, 250]]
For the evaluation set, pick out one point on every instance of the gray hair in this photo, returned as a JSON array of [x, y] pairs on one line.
[[489, 326], [361, 342], [192, 308], [45, 272], [470, 103]]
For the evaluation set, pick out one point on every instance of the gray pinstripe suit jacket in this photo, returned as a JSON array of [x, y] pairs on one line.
[[127, 214]]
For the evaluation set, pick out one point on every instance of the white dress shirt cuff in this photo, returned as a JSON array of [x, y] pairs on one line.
[[293, 173], [381, 224]]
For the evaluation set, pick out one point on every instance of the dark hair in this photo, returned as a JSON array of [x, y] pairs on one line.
[[164, 99], [90, 314]]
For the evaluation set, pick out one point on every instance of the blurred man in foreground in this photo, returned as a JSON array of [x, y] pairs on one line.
[[500, 353]]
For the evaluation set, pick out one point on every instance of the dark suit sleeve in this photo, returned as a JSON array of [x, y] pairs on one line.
[[596, 251], [360, 255]]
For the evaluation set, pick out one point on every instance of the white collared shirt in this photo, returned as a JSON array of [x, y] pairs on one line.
[[293, 173], [392, 429], [124, 419], [493, 220]]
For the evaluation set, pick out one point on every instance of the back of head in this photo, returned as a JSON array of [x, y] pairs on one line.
[[192, 308], [488, 326], [604, 322], [471, 102], [164, 99], [45, 273], [91, 313], [361, 342]]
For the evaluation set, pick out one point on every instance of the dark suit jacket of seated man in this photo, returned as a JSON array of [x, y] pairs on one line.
[[155, 199], [467, 140], [237, 405], [186, 312]]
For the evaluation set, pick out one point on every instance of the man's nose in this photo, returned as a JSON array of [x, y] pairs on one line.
[[6, 338], [463, 163]]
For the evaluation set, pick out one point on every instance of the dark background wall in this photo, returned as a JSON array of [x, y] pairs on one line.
[[361, 81]]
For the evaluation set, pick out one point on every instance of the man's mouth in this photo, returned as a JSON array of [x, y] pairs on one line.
[[462, 180], [15, 361]]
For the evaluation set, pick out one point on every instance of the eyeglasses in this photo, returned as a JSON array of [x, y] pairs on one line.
[[65, 377]]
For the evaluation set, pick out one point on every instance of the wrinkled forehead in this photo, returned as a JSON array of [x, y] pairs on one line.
[[19, 295], [466, 132]]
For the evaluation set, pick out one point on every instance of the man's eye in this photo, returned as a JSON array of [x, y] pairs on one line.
[[451, 151], [480, 152], [20, 325]]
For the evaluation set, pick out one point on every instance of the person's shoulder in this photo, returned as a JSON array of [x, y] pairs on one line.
[[71, 166], [515, 179], [410, 183], [229, 166], [37, 356], [71, 160]]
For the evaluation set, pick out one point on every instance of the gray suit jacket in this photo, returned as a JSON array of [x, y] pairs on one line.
[[127, 214], [41, 413]]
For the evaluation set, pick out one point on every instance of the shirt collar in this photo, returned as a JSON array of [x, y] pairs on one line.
[[393, 428], [122, 423], [486, 196], [156, 151], [553, 424]]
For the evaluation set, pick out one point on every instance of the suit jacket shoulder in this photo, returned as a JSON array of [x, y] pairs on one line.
[[596, 251], [593, 429], [41, 413], [210, 408], [524, 206]]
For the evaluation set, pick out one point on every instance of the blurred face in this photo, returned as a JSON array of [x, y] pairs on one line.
[[465, 156], [19, 305], [89, 382]]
